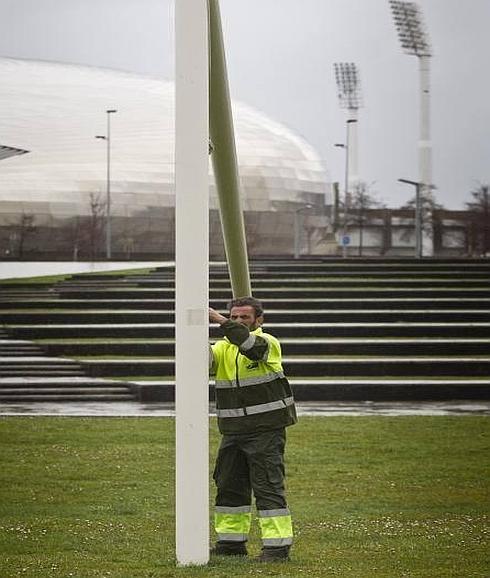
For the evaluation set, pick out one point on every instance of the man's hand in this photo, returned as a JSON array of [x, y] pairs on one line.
[[215, 317]]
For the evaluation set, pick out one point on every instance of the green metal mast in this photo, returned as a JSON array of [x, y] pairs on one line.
[[224, 158]]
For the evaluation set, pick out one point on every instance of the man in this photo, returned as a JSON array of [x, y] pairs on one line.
[[254, 405]]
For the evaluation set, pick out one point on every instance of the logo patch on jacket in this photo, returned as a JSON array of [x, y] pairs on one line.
[[253, 365]]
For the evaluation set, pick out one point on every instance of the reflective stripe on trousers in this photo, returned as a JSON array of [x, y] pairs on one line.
[[276, 527], [232, 524]]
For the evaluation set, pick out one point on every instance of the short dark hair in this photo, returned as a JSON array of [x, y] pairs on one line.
[[244, 301]]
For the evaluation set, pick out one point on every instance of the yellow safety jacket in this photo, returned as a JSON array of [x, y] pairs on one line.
[[252, 393]]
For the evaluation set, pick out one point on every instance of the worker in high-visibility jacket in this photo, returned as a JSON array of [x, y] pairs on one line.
[[254, 405]]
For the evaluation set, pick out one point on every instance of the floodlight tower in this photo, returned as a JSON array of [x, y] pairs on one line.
[[349, 93], [6, 152], [415, 41]]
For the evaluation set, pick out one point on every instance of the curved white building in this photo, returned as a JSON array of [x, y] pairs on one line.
[[56, 110]]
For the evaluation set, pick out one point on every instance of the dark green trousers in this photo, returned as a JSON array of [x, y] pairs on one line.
[[249, 463]]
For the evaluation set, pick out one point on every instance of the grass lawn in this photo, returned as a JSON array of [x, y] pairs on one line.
[[45, 279], [403, 497], [48, 279]]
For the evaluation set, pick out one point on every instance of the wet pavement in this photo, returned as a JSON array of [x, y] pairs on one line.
[[364, 408]]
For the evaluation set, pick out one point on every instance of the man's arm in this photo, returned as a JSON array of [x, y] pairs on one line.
[[216, 317], [252, 346]]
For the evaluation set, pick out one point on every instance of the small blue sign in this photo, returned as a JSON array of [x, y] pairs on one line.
[[345, 240]]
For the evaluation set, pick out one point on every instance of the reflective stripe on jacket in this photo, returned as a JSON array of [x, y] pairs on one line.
[[252, 393]]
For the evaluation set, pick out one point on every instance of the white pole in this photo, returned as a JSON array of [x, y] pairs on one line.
[[352, 151], [108, 234], [297, 234], [418, 222], [191, 306], [425, 144], [348, 179]]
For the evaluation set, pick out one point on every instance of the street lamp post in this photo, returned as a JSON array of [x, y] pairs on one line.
[[346, 180], [107, 138], [297, 229], [418, 215]]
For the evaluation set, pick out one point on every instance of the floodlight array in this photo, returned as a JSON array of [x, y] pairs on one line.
[[6, 152], [348, 84], [411, 29]]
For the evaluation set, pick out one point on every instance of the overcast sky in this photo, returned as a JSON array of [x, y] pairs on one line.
[[280, 59]]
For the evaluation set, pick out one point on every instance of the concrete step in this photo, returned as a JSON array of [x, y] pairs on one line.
[[108, 279], [32, 372], [16, 343], [10, 352], [456, 278], [295, 281], [29, 302], [467, 366], [442, 272], [277, 304], [39, 360], [164, 348], [367, 320], [63, 397], [78, 391], [340, 389], [280, 330], [258, 274], [423, 389], [113, 274], [274, 293], [80, 304], [37, 365], [356, 262], [316, 366], [63, 389], [352, 262], [88, 285], [61, 382], [291, 346], [27, 286], [20, 346], [57, 317]]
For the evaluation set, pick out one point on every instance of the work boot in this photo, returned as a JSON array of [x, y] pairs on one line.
[[274, 554], [229, 549]]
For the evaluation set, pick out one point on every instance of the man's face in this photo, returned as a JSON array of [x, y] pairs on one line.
[[246, 316]]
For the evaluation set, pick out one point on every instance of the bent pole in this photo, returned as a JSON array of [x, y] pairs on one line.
[[225, 159]]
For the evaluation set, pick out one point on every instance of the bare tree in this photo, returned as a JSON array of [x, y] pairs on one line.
[[74, 235], [125, 236], [22, 230], [479, 209], [89, 230], [428, 205], [361, 202]]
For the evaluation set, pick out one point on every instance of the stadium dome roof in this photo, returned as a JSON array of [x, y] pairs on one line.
[[55, 110]]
